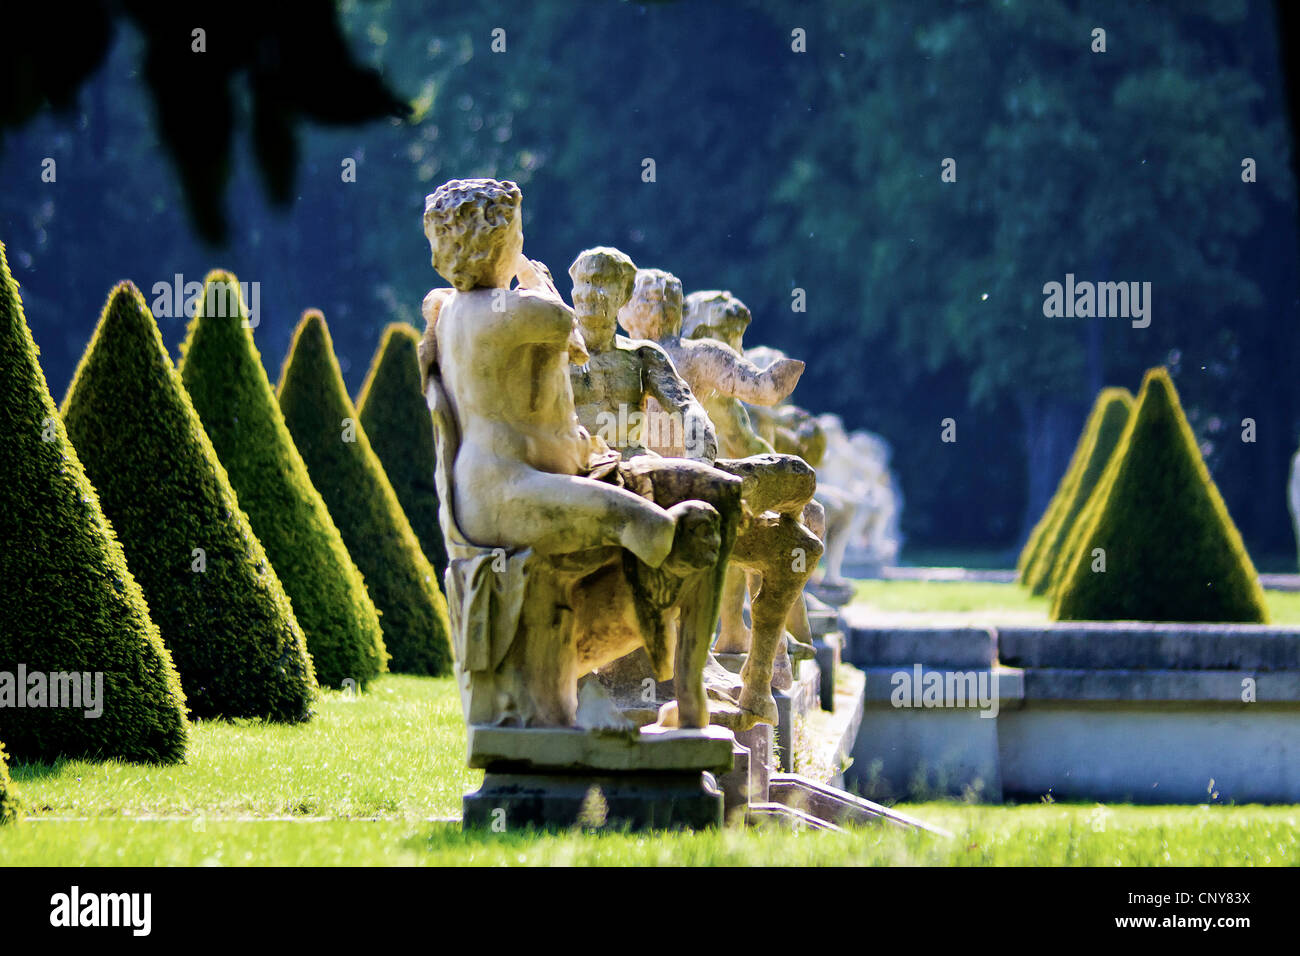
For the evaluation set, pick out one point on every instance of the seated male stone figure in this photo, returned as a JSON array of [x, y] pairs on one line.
[[595, 566], [621, 379], [774, 544]]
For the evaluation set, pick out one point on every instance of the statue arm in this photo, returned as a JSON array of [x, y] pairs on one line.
[[674, 395], [733, 375]]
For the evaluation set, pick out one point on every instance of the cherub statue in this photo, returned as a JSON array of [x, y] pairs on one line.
[[563, 558], [628, 393], [774, 545]]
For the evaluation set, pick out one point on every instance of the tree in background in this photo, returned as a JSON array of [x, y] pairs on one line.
[[223, 373], [219, 605], [779, 172], [69, 605], [395, 417], [1157, 542], [1124, 165], [345, 470]]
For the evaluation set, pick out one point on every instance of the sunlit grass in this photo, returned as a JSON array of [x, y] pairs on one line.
[[397, 751], [378, 781]]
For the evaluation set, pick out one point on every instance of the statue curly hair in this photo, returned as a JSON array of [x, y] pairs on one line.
[[467, 222]]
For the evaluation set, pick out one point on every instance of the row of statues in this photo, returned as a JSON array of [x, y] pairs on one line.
[[611, 498]]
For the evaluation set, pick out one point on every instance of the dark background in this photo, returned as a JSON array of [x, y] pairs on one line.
[[775, 170]]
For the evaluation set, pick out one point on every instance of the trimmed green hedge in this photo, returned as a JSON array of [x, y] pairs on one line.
[[395, 416], [69, 606], [10, 807], [1172, 552], [222, 613], [1100, 437], [222, 371], [349, 477], [1033, 549]]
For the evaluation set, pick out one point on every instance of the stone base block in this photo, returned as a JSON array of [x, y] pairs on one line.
[[836, 594], [830, 650], [563, 750], [622, 801], [794, 704]]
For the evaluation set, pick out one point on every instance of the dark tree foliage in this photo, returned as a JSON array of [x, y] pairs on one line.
[[223, 373], [1171, 551], [292, 55], [776, 170], [346, 471], [223, 613], [69, 605]]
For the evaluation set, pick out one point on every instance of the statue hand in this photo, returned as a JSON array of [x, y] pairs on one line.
[[577, 347]]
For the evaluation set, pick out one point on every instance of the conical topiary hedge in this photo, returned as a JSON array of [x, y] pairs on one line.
[[217, 601], [9, 805], [1033, 548], [222, 371], [76, 639], [1171, 552], [345, 469], [395, 417], [1100, 437]]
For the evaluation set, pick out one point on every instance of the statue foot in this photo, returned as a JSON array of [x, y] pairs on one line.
[[799, 651], [732, 643], [759, 707], [668, 715]]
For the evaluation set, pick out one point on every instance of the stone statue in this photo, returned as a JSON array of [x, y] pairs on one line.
[[774, 545], [857, 463], [563, 557], [628, 393]]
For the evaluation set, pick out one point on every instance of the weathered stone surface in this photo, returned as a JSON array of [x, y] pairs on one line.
[[1148, 646], [558, 749], [1128, 686], [829, 648], [962, 647], [635, 801], [563, 557], [795, 704]]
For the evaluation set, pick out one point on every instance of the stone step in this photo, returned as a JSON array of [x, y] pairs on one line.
[[835, 806]]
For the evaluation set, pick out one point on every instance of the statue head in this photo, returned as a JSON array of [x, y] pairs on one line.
[[475, 231], [655, 309], [715, 315], [602, 283]]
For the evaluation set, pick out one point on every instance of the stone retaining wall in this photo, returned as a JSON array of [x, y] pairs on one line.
[[1125, 711]]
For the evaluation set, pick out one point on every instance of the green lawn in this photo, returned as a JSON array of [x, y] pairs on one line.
[[378, 781], [979, 602]]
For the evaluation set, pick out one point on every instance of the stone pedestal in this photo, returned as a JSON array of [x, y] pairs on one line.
[[626, 801], [650, 778], [794, 703], [836, 594]]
